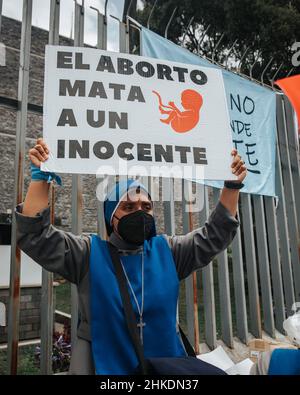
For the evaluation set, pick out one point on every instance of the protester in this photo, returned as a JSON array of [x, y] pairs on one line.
[[153, 264]]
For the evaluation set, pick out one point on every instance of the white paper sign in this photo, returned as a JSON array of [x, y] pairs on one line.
[[219, 358], [112, 113]]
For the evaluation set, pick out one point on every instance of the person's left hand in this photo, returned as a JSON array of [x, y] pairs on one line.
[[238, 166]]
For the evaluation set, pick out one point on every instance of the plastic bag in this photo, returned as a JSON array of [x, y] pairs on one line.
[[292, 325]]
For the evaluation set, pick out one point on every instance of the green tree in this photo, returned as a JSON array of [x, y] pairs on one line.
[[265, 28]]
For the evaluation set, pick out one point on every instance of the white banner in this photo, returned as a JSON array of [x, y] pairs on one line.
[[112, 113]]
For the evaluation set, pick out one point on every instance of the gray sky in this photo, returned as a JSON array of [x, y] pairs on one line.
[[40, 17]]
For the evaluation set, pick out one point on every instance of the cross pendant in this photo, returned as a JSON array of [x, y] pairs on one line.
[[140, 325]]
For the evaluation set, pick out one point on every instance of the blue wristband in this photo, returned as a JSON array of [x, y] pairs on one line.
[[38, 175]]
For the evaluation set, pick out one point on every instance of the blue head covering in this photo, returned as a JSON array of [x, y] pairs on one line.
[[114, 197]]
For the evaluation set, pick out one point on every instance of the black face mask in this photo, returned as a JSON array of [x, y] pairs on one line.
[[135, 227]]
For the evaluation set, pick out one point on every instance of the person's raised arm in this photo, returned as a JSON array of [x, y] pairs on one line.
[[56, 250], [37, 195], [197, 248], [230, 197]]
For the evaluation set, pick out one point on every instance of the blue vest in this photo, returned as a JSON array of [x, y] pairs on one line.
[[112, 347], [284, 362]]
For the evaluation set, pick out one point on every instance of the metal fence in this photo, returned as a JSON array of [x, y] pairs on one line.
[[258, 277]]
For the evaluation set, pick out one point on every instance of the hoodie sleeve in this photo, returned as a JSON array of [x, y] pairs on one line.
[[196, 249], [55, 250]]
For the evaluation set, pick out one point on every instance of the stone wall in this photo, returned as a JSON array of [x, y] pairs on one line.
[[30, 319]]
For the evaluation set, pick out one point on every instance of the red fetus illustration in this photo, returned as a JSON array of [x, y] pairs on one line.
[[182, 121]]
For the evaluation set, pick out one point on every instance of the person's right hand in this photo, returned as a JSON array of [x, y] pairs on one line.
[[39, 153]]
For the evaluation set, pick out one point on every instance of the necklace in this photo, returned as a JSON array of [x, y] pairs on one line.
[[140, 324]]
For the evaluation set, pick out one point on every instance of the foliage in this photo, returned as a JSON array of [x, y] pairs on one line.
[[26, 365], [267, 27], [61, 352], [63, 297]]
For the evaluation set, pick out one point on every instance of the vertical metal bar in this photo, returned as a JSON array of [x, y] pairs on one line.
[[76, 181], [54, 22], [101, 29], [252, 280], [263, 263], [289, 197], [169, 209], [216, 47], [101, 228], [283, 230], [276, 73], [224, 289], [264, 70], [141, 49], [101, 44], [286, 262], [195, 296], [196, 315], [273, 240], [76, 229], [169, 22], [189, 301], [47, 307], [292, 135], [189, 295], [124, 37], [1, 3], [169, 215], [239, 288], [150, 15], [81, 26], [47, 310], [229, 52], [208, 288], [186, 30], [15, 259]]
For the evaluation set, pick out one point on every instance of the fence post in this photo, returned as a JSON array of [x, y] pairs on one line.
[[263, 263], [208, 288], [47, 308], [252, 280], [289, 193], [101, 44], [224, 289], [15, 261], [239, 288], [293, 153], [273, 241], [285, 253], [191, 281], [1, 3], [169, 209], [169, 217], [123, 37], [189, 295], [76, 181], [101, 28]]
